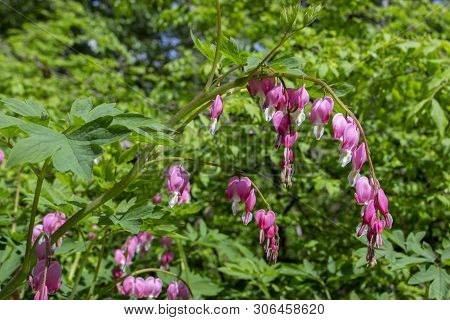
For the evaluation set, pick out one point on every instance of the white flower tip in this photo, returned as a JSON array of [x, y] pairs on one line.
[[318, 131], [301, 118], [246, 218], [234, 207], [173, 199], [345, 159], [213, 127], [352, 177]]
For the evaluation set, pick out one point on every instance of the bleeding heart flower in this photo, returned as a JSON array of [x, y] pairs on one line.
[[172, 290], [215, 113], [358, 159], [320, 114], [177, 181], [364, 191], [274, 98]]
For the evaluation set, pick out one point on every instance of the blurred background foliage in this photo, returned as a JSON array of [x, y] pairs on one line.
[[387, 59]]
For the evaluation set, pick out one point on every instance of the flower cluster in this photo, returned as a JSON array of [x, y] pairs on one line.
[[140, 288], [241, 190], [285, 107], [375, 215], [269, 230], [178, 185], [46, 275], [137, 244], [2, 156], [177, 290]]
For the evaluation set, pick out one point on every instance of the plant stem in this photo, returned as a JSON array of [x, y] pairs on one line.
[[217, 53], [97, 268], [80, 269], [37, 194], [184, 263], [16, 199], [261, 195]]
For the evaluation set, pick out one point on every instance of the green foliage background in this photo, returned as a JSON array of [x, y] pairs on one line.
[[388, 60]]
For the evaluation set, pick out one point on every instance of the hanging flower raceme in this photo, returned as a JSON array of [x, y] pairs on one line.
[[320, 114], [215, 113], [140, 288], [269, 231], [240, 189], [45, 278], [178, 185], [375, 216], [137, 244], [46, 275]]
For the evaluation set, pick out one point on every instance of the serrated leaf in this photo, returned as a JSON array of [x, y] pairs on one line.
[[81, 107], [99, 132], [27, 108], [423, 276], [203, 286], [203, 47], [439, 117], [8, 121], [439, 287], [231, 49], [102, 110], [74, 152], [134, 121]]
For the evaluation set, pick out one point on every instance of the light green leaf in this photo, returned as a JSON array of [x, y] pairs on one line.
[[27, 108], [81, 107], [102, 110], [439, 287], [438, 116], [423, 276], [203, 47], [99, 132]]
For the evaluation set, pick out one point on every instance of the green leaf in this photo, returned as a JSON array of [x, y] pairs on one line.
[[342, 88], [75, 152], [36, 148], [81, 107], [102, 110], [8, 121], [231, 49], [445, 255], [27, 108], [439, 287], [203, 286], [99, 132], [203, 47], [134, 121], [423, 276], [438, 116], [417, 108]]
